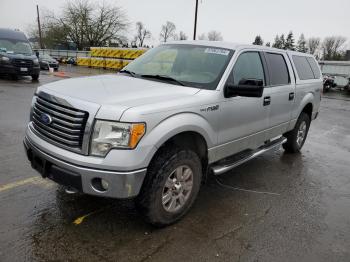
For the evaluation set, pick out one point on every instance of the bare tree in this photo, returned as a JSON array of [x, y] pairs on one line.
[[313, 43], [331, 47], [182, 36], [168, 31], [53, 33], [142, 33], [215, 36], [89, 24], [202, 37]]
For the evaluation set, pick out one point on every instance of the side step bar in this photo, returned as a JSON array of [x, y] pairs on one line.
[[220, 169]]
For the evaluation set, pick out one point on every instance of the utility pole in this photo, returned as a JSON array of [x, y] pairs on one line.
[[195, 21], [39, 27]]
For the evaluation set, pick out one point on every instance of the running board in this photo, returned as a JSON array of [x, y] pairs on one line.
[[220, 169]]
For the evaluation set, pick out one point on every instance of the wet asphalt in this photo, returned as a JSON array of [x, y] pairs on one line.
[[304, 214]]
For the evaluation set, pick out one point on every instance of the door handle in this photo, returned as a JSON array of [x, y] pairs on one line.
[[291, 96], [267, 100]]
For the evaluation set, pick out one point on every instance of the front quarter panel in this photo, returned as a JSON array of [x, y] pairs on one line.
[[199, 113]]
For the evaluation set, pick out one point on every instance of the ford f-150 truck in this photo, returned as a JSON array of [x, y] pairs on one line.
[[179, 112]]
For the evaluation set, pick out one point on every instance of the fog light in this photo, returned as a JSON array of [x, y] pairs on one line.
[[100, 185], [104, 184]]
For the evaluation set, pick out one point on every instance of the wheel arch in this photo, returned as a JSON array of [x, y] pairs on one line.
[[308, 109], [194, 132]]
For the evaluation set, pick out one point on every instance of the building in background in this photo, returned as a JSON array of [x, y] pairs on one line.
[[347, 55]]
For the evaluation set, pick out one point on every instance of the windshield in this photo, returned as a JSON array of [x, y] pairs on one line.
[[15, 47], [192, 65]]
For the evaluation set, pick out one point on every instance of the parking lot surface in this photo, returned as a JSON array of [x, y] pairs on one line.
[[278, 207]]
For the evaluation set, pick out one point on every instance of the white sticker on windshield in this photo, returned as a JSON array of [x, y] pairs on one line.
[[217, 51]]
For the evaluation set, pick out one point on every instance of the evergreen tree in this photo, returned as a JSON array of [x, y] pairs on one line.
[[277, 43], [302, 44], [258, 40], [289, 45], [282, 42], [268, 44]]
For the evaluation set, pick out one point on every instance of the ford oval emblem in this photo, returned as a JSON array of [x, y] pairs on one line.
[[45, 119]]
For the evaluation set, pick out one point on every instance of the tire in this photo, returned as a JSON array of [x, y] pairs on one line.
[[35, 77], [157, 186], [14, 77], [296, 137]]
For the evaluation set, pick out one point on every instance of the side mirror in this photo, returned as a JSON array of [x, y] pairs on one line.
[[246, 88]]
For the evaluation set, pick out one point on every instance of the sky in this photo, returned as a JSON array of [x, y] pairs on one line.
[[239, 21]]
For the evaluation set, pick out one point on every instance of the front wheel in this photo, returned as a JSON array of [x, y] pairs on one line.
[[35, 77], [296, 138], [171, 186]]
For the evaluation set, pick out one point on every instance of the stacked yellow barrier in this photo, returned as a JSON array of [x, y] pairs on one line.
[[110, 57], [84, 61]]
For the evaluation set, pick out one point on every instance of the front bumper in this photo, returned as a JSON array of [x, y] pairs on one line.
[[121, 184], [46, 66], [13, 70]]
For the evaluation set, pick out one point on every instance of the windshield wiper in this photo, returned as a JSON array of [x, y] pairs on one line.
[[133, 74], [164, 77]]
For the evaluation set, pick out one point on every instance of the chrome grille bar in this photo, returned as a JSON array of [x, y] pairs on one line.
[[64, 126], [57, 107]]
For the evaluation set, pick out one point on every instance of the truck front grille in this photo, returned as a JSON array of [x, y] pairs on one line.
[[23, 63], [59, 124]]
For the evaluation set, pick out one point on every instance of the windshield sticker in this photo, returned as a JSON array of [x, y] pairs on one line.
[[217, 51]]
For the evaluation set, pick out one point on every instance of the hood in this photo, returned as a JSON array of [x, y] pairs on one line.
[[117, 93], [18, 56], [48, 59]]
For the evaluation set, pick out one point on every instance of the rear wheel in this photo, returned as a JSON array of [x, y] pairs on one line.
[[171, 186], [296, 138]]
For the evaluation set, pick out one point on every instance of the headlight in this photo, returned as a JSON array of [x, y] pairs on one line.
[[108, 135], [5, 59], [36, 61]]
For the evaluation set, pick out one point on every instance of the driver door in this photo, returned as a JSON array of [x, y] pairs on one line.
[[244, 120]]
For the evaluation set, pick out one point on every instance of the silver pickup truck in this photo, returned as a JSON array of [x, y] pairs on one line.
[[179, 112]]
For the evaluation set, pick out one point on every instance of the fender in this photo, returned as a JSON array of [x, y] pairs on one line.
[[307, 98], [170, 127]]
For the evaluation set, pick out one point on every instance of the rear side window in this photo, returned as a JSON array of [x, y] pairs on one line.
[[314, 67], [303, 67], [278, 69]]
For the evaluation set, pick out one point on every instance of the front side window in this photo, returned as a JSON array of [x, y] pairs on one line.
[[193, 65], [248, 66], [278, 69]]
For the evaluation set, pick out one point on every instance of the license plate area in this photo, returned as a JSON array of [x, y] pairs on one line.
[[39, 164], [23, 69]]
